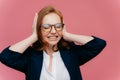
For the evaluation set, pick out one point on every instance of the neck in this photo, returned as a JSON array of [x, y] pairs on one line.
[[50, 49]]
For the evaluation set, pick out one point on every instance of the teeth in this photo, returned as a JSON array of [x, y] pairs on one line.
[[52, 37]]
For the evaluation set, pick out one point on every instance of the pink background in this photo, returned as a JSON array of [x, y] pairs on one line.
[[89, 17]]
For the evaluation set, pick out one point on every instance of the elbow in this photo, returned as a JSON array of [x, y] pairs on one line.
[[0, 57], [103, 43], [100, 42]]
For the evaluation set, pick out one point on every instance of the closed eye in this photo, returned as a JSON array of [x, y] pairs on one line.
[[58, 25], [46, 26]]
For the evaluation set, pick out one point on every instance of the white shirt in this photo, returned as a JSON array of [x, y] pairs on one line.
[[59, 70]]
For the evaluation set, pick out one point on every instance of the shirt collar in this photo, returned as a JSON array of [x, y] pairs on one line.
[[55, 54]]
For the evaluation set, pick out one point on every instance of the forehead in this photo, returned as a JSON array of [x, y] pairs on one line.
[[51, 18]]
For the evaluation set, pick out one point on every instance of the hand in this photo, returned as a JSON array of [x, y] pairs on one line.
[[65, 34], [34, 26], [79, 39]]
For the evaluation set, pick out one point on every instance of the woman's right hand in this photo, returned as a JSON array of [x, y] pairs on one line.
[[21, 46], [34, 26]]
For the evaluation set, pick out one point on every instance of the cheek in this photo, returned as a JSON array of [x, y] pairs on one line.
[[44, 35]]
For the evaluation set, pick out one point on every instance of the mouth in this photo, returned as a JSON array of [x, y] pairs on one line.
[[52, 37]]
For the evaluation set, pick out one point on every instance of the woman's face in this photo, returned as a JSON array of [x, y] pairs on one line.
[[51, 28]]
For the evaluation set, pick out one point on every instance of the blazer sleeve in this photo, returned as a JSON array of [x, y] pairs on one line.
[[14, 59], [89, 50]]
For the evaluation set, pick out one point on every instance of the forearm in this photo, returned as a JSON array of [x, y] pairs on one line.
[[23, 45], [80, 39]]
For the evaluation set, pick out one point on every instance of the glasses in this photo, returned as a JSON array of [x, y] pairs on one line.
[[48, 27]]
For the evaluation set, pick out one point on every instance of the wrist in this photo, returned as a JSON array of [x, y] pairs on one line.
[[33, 37], [67, 36]]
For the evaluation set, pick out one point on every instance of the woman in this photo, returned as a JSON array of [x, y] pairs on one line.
[[51, 53]]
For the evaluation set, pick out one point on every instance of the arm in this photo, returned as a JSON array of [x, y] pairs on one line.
[[12, 57], [24, 44], [79, 39], [88, 48]]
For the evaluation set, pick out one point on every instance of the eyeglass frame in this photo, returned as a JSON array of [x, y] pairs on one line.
[[51, 25]]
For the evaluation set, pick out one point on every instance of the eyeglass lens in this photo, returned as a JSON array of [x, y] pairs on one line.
[[48, 27]]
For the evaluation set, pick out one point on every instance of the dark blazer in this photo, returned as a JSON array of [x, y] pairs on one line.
[[30, 62]]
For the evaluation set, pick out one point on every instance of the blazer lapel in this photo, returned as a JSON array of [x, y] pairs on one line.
[[37, 65], [66, 57], [65, 54]]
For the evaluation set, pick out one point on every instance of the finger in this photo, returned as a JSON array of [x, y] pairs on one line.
[[35, 20], [36, 17]]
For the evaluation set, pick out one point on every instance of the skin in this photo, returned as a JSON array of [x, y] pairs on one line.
[[51, 38], [21, 46]]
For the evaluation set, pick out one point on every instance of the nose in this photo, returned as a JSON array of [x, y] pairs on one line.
[[53, 30]]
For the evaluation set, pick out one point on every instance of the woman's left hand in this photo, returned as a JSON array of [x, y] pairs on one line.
[[65, 34], [79, 39]]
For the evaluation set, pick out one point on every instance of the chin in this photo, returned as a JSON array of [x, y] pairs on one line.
[[52, 43]]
